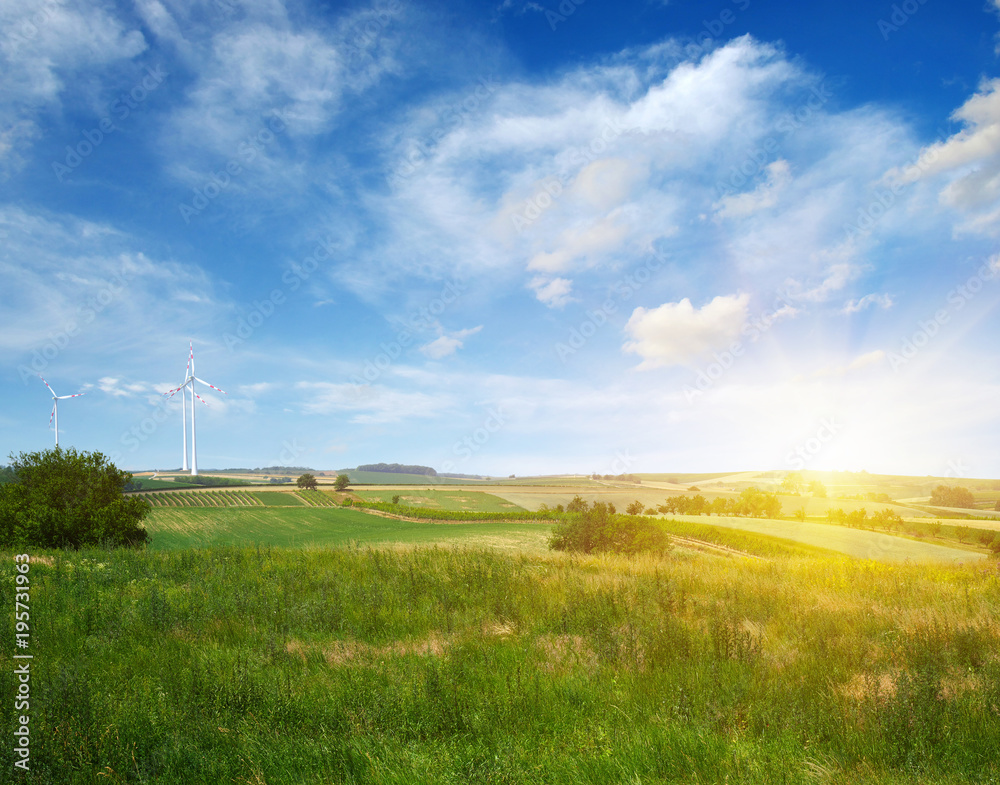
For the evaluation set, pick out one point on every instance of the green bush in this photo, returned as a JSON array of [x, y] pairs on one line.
[[64, 498], [599, 530]]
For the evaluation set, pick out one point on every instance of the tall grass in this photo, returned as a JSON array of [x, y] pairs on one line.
[[259, 665]]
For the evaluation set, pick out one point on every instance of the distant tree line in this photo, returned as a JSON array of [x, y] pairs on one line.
[[7, 474], [943, 496], [751, 503], [269, 470], [619, 477], [859, 519], [398, 468]]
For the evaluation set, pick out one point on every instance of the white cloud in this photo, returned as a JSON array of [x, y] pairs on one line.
[[553, 292], [764, 196], [598, 164], [680, 334], [448, 343], [837, 268], [43, 45], [970, 159], [883, 301], [608, 182], [579, 244], [71, 281], [369, 404]]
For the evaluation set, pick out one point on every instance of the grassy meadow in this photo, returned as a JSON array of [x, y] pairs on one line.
[[456, 665], [270, 637]]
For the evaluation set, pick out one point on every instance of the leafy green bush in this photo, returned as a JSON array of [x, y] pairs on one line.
[[64, 498], [598, 529]]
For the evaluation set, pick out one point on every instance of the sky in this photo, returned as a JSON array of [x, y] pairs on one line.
[[504, 237]]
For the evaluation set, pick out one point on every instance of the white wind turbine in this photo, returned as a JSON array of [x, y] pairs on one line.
[[54, 417], [189, 380]]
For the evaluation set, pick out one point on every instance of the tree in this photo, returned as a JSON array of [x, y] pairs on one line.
[[598, 529], [943, 496], [576, 504], [342, 482], [307, 482], [62, 498], [635, 508], [817, 489], [792, 482]]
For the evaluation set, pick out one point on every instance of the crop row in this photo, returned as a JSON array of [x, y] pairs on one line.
[[203, 499], [458, 515], [317, 499]]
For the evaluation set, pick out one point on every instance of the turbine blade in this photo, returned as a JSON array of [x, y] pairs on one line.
[[209, 385], [198, 397], [47, 385], [52, 414], [170, 393], [62, 397]]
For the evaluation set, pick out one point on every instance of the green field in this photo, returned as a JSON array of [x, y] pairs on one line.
[[172, 529], [288, 642], [858, 543], [456, 665], [475, 501]]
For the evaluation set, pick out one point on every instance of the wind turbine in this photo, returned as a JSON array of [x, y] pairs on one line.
[[182, 389], [189, 381], [54, 417]]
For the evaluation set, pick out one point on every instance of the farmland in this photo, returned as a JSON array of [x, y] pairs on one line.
[[291, 665], [276, 636]]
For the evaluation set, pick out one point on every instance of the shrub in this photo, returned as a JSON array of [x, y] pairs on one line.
[[598, 529], [64, 498]]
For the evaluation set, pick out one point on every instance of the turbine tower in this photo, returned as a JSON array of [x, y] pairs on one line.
[[54, 417], [189, 380], [183, 391]]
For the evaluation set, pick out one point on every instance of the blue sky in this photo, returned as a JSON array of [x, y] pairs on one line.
[[505, 237]]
